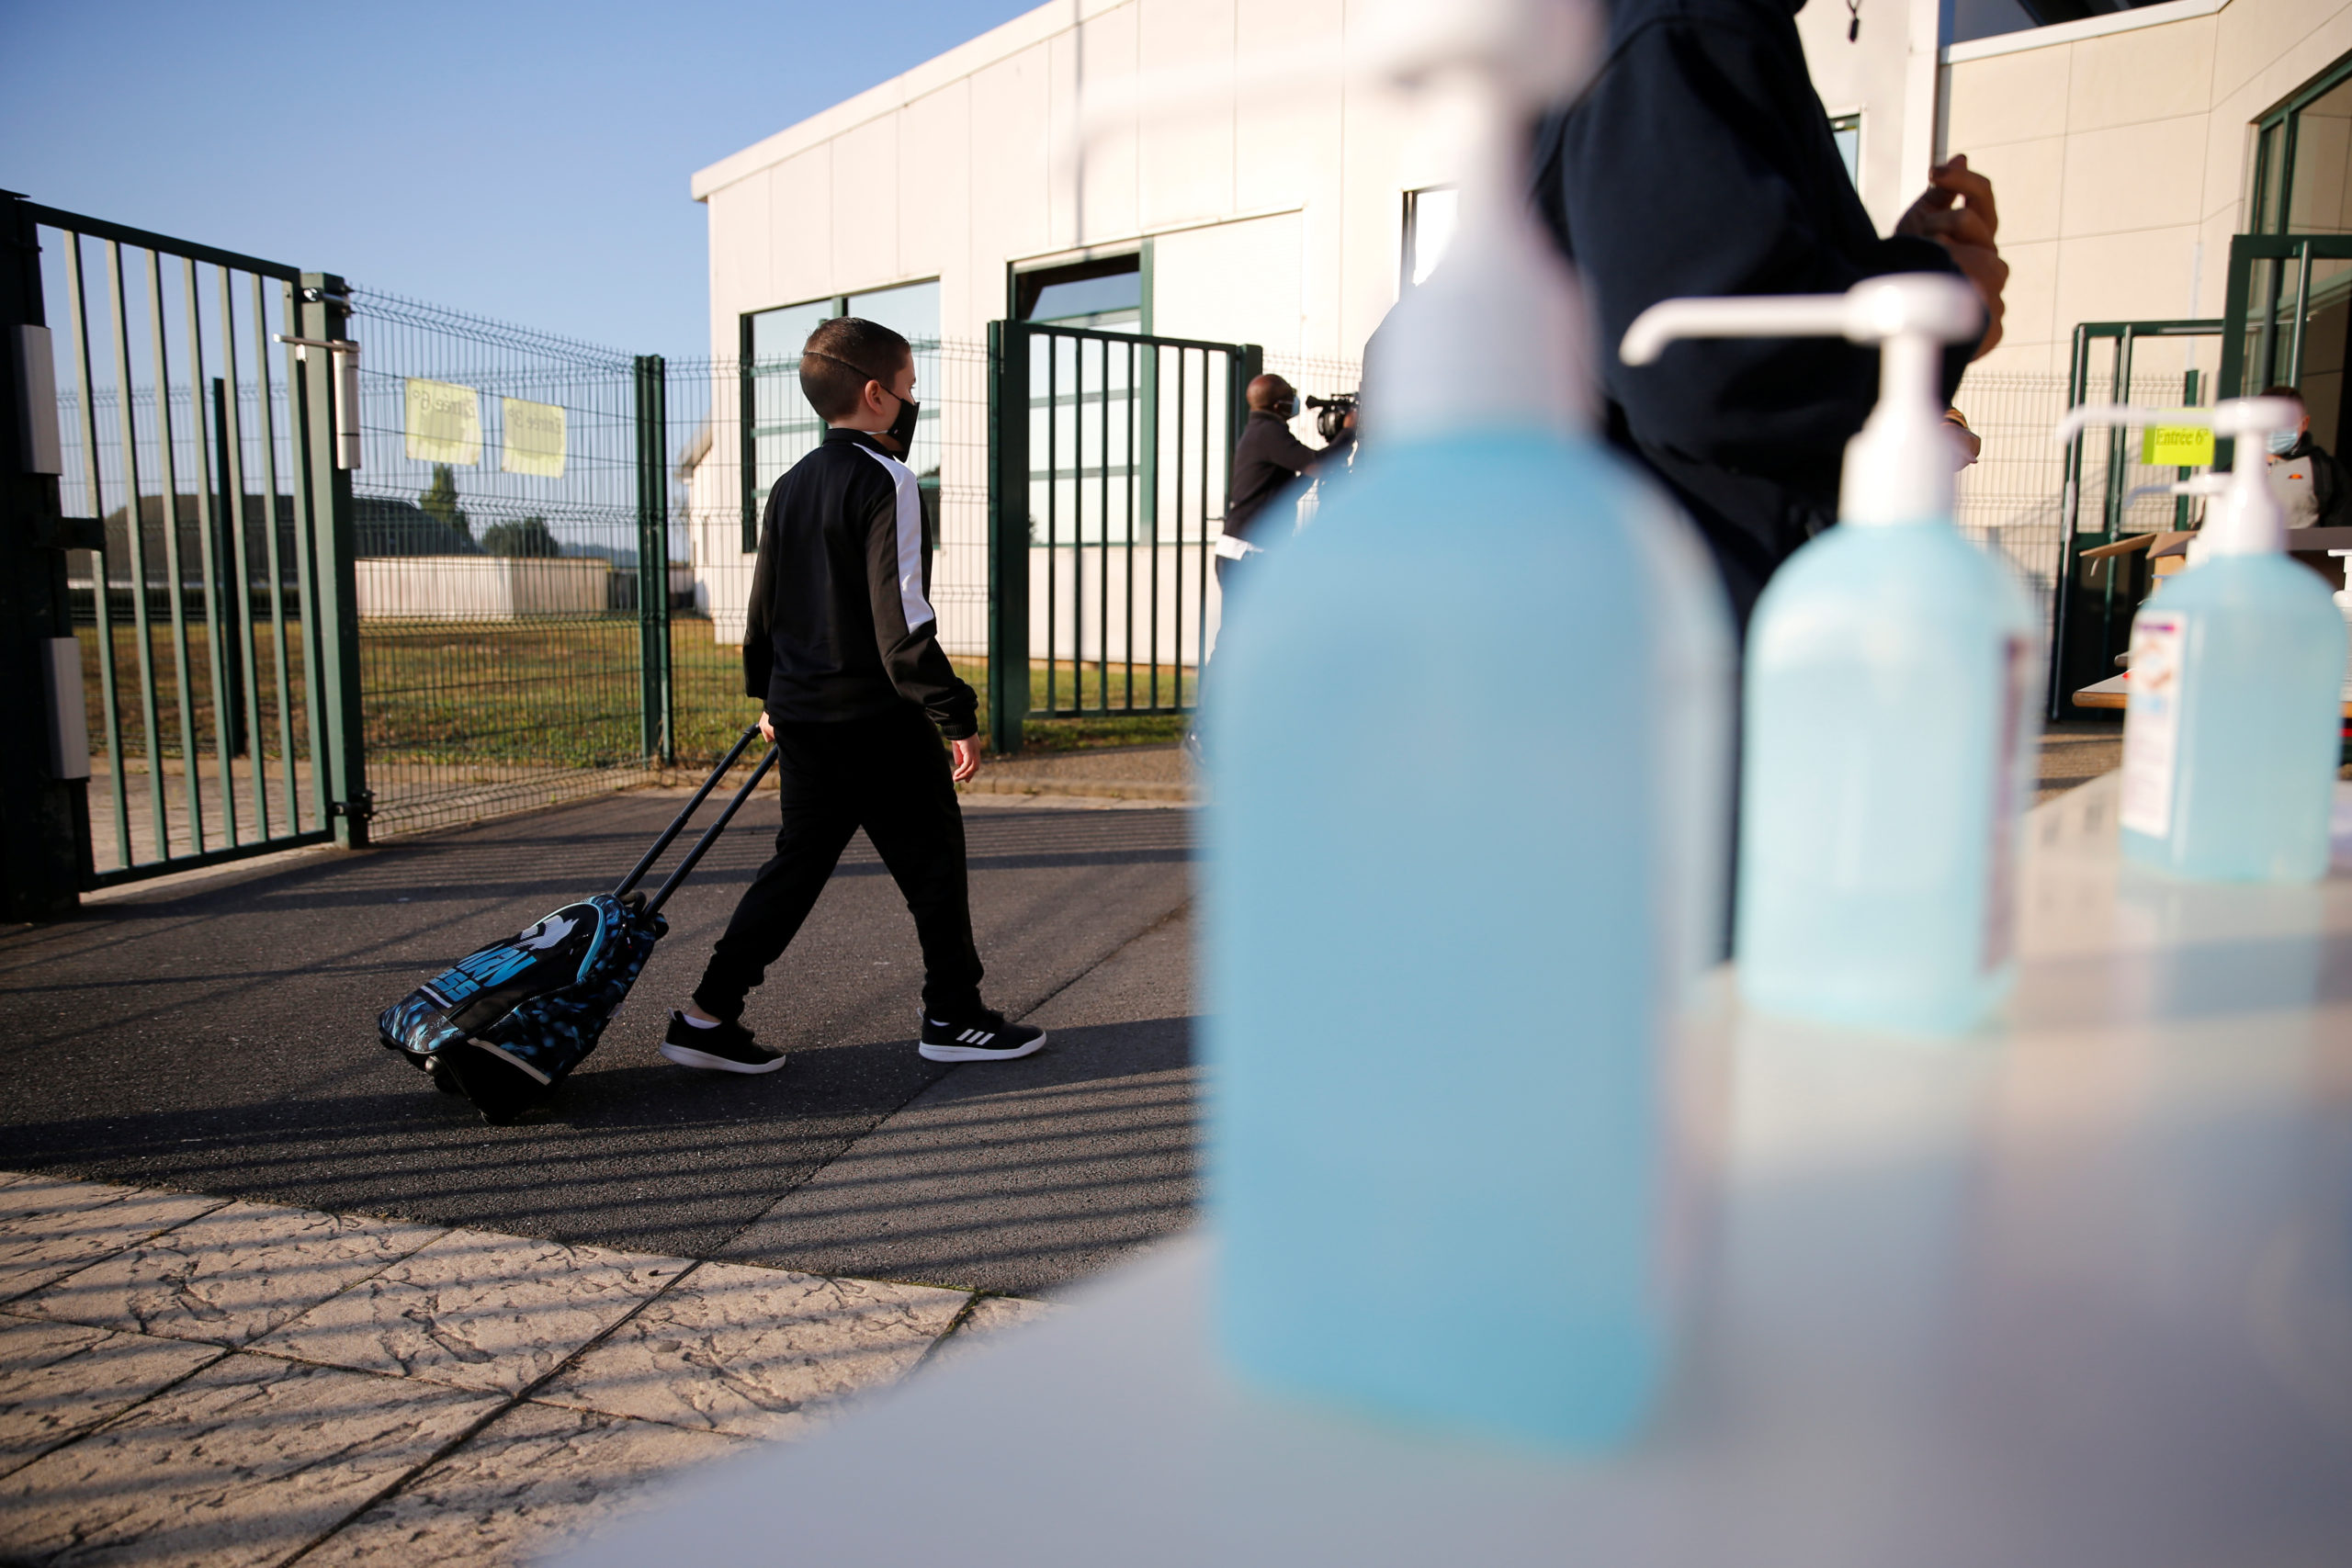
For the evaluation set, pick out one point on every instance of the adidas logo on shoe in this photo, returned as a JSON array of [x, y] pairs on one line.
[[984, 1037]]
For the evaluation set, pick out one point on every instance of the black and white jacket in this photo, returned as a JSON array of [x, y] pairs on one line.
[[841, 626]]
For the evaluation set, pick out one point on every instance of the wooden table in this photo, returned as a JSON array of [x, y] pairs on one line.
[[2075, 1293], [2115, 691]]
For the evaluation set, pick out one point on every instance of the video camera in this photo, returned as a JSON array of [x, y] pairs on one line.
[[1331, 414]]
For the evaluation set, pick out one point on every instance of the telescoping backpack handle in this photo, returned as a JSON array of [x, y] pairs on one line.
[[710, 834], [669, 834]]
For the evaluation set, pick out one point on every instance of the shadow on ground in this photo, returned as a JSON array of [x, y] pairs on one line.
[[221, 1039]]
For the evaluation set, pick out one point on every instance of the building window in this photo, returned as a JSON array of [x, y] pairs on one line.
[[1430, 218], [2303, 164], [1103, 292], [1846, 129], [780, 428]]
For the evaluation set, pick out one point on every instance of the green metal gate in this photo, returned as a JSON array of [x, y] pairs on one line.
[[2287, 320], [1109, 468], [2288, 316], [244, 603], [2091, 610], [201, 631]]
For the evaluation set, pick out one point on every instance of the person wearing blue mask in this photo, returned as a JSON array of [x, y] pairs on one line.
[[2309, 483]]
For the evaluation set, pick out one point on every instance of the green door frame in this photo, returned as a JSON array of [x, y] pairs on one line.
[[2238, 309], [2089, 626]]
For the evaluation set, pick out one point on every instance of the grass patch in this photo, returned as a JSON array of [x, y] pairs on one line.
[[550, 692]]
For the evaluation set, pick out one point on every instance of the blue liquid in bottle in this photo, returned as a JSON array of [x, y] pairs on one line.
[[2231, 741], [1889, 721], [1466, 745]]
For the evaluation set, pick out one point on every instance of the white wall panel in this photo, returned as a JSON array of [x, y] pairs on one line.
[[934, 190], [1230, 283], [866, 199], [1186, 159], [801, 222]]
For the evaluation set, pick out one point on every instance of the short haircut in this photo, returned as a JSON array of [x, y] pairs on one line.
[[841, 355], [2283, 390]]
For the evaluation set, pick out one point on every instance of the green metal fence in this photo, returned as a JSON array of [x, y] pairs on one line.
[[1111, 458], [183, 432], [347, 564], [512, 551]]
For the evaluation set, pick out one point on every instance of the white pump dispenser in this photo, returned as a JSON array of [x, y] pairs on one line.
[[1502, 313], [1445, 970], [1887, 715], [1897, 467], [2231, 738], [2247, 519]]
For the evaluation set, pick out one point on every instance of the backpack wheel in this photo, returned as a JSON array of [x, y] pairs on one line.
[[499, 1091]]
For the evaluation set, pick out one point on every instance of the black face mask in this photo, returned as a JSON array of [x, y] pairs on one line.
[[902, 429]]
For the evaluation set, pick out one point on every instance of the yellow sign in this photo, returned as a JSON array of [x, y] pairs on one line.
[[2177, 446], [533, 438], [444, 422]]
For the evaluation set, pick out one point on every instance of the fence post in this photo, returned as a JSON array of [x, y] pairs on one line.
[[323, 312], [653, 553], [1008, 534], [229, 588], [747, 445], [44, 810], [1243, 367], [2230, 380]]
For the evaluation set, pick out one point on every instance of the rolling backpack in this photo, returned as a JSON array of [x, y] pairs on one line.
[[508, 1022]]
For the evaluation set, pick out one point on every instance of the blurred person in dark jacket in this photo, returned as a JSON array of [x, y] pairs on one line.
[[1267, 462], [1700, 163]]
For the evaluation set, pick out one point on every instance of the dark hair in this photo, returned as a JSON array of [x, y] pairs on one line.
[[841, 356], [2283, 390]]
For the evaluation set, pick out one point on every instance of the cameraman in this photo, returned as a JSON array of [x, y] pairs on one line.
[[1267, 461]]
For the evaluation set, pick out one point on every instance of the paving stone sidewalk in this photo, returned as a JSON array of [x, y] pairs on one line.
[[195, 1379], [1109, 776]]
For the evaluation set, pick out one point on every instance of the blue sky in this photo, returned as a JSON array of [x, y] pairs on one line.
[[514, 158]]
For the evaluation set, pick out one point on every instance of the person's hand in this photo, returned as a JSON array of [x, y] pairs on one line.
[[767, 727], [1957, 211], [968, 758]]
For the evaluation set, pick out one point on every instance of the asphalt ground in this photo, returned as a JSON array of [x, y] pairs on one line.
[[219, 1037]]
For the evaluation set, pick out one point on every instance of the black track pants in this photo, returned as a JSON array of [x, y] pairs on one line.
[[889, 776]]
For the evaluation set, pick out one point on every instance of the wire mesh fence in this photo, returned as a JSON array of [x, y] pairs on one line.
[[2008, 500], [498, 518], [2014, 500]]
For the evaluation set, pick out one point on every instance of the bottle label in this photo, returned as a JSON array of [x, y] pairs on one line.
[[2151, 722], [2001, 887]]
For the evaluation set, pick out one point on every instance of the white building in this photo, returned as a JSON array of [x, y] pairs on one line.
[[1277, 202]]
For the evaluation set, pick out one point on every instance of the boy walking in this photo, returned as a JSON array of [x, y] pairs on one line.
[[843, 646]]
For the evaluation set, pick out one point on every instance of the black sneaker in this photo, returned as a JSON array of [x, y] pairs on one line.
[[722, 1047], [982, 1037]]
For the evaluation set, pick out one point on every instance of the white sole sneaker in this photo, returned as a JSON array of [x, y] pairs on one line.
[[686, 1057], [977, 1053]]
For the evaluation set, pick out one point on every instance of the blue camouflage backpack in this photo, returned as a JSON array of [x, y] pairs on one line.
[[533, 1004], [506, 1023]]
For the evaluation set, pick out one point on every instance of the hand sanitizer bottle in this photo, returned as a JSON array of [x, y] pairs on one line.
[[1889, 721], [1464, 853], [2231, 736]]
